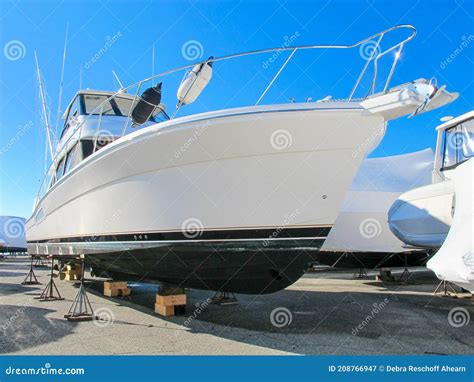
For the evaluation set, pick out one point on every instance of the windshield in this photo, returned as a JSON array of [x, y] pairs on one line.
[[118, 106], [458, 144]]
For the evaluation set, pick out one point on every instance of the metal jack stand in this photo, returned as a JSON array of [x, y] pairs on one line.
[[445, 284], [81, 308], [224, 298], [361, 274], [39, 262], [405, 276], [30, 278], [48, 292]]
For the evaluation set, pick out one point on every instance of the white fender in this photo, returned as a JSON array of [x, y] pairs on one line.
[[194, 83]]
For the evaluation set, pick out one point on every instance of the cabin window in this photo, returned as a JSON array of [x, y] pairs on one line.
[[72, 159], [60, 169], [458, 144], [93, 104], [71, 115]]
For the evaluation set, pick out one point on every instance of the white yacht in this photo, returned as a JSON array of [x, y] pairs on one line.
[[422, 217], [232, 200]]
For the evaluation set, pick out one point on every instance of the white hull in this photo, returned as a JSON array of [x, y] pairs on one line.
[[254, 167], [422, 217]]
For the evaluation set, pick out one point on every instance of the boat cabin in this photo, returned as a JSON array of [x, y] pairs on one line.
[[455, 145], [92, 120]]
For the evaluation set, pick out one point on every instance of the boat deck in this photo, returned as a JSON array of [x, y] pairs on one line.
[[329, 315]]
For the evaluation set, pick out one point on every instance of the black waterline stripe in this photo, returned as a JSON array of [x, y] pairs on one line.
[[278, 232]]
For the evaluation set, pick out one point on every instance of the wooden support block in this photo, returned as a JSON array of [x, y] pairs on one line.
[[124, 292], [179, 299], [111, 292], [115, 285], [163, 310]]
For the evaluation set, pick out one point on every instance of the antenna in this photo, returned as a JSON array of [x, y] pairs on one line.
[[118, 79], [153, 65], [44, 108], [61, 81]]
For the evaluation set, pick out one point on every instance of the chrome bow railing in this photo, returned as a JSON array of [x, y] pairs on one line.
[[375, 53]]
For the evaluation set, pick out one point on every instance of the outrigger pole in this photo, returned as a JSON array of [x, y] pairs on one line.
[[58, 114], [44, 109]]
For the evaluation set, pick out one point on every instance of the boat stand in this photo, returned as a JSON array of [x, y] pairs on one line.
[[361, 274], [48, 293], [81, 308], [445, 284], [405, 276], [30, 278], [40, 262], [224, 298]]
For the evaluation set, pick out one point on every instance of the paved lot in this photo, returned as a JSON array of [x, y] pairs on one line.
[[323, 313]]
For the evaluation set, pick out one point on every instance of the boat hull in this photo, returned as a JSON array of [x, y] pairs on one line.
[[423, 216], [255, 169], [249, 268]]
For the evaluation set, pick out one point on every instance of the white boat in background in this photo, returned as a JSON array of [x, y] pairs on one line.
[[441, 215], [233, 200], [361, 236], [12, 234], [422, 217]]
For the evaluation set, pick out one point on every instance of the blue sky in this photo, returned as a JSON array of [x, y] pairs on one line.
[[133, 27]]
